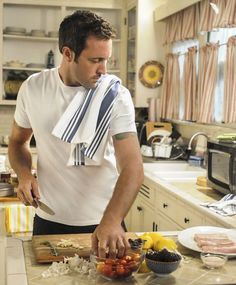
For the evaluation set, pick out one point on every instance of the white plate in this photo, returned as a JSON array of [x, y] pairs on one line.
[[186, 237]]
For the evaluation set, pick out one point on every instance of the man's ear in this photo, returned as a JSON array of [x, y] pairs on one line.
[[68, 54]]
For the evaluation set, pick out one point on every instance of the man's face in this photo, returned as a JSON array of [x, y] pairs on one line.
[[91, 63]]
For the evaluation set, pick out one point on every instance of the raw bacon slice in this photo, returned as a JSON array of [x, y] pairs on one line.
[[216, 236], [215, 242], [220, 249]]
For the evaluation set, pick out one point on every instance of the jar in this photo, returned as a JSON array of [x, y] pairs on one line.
[[13, 84]]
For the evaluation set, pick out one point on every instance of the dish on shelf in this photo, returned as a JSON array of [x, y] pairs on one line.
[[151, 74], [35, 65], [15, 30], [53, 34], [15, 33], [15, 63], [37, 33], [186, 237]]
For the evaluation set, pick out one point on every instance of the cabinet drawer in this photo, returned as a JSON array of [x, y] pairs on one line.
[[177, 211], [187, 218], [166, 204]]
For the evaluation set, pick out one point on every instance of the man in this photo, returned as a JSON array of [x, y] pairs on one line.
[[68, 109]]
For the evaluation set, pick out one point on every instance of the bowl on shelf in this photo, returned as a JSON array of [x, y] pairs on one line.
[[53, 34], [14, 31], [37, 33], [163, 262]]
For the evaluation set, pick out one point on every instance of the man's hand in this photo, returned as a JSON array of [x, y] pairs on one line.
[[109, 237], [27, 190]]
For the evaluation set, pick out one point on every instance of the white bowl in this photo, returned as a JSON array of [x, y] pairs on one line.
[[213, 260], [37, 33], [15, 29], [53, 34]]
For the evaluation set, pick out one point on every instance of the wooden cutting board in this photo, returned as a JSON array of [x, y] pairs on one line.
[[43, 253]]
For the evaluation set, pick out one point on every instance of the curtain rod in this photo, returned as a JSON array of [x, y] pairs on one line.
[[179, 54]]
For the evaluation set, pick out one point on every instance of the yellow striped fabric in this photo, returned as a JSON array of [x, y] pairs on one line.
[[19, 218]]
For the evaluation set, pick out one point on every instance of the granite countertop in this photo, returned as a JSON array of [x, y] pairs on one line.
[[191, 272]]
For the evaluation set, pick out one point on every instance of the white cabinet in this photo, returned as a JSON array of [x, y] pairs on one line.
[[141, 217], [177, 214], [144, 43], [21, 51]]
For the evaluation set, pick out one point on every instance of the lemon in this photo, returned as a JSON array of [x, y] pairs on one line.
[[155, 236], [148, 242], [143, 268], [167, 243]]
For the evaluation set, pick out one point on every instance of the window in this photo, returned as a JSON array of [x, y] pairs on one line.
[[220, 35], [181, 47]]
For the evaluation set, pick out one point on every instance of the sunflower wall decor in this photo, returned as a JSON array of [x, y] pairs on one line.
[[151, 74]]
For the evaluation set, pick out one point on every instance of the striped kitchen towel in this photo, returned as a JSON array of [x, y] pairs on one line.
[[19, 218], [85, 126], [225, 207]]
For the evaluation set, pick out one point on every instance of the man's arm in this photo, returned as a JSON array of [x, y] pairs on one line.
[[21, 161], [110, 234]]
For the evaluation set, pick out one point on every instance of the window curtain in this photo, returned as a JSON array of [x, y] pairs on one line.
[[182, 25], [170, 90], [217, 14], [230, 82], [228, 18], [190, 85], [207, 77]]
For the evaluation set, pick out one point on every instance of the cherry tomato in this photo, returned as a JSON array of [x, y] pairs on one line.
[[136, 257], [120, 270], [123, 262], [133, 265], [100, 266], [107, 269], [127, 258], [110, 261]]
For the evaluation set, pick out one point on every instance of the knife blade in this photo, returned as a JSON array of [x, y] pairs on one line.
[[44, 207]]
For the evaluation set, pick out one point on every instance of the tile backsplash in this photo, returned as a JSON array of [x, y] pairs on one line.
[[6, 119]]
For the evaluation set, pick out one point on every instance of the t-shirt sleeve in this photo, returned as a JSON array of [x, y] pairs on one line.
[[20, 115], [123, 115]]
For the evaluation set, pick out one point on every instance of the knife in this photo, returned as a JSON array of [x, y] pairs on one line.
[[44, 207]]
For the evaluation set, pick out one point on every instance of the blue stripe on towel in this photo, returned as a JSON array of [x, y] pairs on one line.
[[77, 118], [103, 119]]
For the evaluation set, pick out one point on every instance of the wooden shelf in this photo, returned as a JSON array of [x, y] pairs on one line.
[[22, 68], [29, 38], [8, 102]]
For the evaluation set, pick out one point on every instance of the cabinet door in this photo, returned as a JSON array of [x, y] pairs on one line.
[[165, 224], [142, 217]]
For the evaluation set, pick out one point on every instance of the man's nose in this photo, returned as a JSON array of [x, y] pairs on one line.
[[103, 67]]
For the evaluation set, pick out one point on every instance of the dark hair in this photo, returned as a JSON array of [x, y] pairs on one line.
[[76, 28]]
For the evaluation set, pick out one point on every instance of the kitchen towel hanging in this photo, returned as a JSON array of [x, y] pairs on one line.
[[86, 126], [19, 218], [224, 207], [153, 110]]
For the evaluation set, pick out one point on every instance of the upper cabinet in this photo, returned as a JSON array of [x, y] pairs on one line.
[[29, 38], [144, 44]]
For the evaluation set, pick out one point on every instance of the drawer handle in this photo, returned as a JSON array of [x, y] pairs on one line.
[[165, 205], [139, 208], [186, 220]]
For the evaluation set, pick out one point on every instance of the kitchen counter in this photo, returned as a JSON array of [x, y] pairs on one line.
[[191, 272], [187, 191]]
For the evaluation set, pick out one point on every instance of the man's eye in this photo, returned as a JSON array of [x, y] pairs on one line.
[[95, 60]]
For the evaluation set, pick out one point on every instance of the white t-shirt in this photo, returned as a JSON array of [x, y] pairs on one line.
[[77, 194]]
